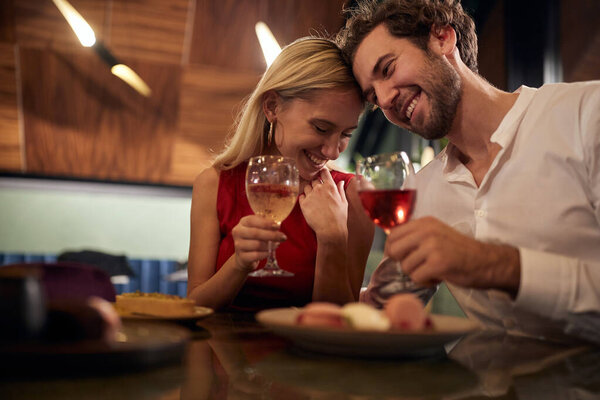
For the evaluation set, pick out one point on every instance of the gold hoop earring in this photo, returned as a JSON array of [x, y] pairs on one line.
[[270, 135]]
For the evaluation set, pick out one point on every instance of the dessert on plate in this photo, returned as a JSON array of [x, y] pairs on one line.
[[402, 312], [154, 304]]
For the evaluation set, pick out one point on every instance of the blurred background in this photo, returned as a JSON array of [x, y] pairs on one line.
[[89, 161]]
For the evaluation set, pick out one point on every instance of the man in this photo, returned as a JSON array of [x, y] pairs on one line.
[[508, 215]]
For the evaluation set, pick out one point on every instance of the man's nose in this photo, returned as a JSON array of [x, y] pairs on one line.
[[385, 95]]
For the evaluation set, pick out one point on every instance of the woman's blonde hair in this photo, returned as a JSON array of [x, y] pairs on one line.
[[302, 67]]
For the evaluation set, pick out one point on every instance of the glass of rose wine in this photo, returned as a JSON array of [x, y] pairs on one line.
[[272, 185], [387, 191]]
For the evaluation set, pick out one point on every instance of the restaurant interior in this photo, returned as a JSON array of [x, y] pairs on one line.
[[102, 136]]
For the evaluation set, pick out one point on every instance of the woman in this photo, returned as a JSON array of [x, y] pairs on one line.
[[305, 107]]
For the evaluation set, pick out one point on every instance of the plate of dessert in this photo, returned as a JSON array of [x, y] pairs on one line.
[[402, 328], [159, 306]]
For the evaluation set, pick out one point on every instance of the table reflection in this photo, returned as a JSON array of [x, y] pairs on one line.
[[233, 357], [247, 362]]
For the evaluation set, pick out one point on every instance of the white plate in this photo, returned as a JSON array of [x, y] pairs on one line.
[[351, 342]]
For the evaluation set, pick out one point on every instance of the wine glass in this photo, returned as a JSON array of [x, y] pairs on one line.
[[272, 185], [386, 188]]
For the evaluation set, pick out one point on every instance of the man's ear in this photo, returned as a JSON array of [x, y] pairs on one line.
[[270, 105], [442, 40]]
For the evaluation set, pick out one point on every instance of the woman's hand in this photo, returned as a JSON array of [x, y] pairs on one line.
[[325, 207], [251, 238]]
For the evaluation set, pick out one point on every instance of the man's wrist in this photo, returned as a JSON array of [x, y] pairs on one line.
[[506, 267]]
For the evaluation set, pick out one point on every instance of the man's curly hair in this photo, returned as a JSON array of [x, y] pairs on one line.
[[410, 19]]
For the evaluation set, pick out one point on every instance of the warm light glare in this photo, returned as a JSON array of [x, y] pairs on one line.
[[427, 155], [400, 215], [82, 29], [131, 78], [268, 43]]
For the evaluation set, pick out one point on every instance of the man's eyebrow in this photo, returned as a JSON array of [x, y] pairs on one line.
[[380, 61]]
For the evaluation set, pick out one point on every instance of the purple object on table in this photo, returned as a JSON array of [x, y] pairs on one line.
[[70, 281]]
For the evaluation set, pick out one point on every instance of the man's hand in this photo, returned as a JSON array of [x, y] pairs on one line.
[[431, 251]]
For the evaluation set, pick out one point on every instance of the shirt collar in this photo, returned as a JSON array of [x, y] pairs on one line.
[[503, 135], [505, 132]]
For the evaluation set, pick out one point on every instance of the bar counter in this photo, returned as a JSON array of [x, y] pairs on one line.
[[231, 356]]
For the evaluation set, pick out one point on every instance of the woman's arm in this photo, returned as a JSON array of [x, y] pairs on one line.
[[342, 249], [250, 235], [204, 286], [360, 237]]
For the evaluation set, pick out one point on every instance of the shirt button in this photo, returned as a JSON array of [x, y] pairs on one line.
[[480, 213]]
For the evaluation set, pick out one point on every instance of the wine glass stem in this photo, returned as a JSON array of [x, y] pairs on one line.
[[402, 277], [271, 261]]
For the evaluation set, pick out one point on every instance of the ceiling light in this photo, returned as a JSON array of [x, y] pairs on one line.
[[268, 43], [82, 29], [131, 78]]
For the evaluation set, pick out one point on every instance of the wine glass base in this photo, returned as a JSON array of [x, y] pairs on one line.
[[270, 272]]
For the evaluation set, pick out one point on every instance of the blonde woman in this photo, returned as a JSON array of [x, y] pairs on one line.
[[305, 107]]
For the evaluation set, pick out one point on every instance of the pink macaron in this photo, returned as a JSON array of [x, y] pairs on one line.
[[406, 312], [322, 314]]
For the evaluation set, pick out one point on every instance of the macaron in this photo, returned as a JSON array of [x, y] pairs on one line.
[[322, 314], [406, 312]]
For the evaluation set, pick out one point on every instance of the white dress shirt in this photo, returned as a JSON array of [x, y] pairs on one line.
[[542, 195]]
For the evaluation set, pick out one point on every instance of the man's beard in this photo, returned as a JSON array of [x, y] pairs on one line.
[[444, 90]]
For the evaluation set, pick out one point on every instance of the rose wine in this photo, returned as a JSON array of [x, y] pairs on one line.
[[271, 200], [390, 207]]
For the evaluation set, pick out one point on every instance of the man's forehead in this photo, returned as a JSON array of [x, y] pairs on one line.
[[372, 47]]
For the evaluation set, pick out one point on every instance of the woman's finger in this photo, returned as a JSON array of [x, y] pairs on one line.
[[342, 190]]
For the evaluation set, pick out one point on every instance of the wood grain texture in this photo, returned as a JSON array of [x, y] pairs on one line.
[[492, 48], [7, 21], [224, 34], [82, 121], [10, 138], [39, 24], [210, 99], [580, 40], [200, 57], [151, 30]]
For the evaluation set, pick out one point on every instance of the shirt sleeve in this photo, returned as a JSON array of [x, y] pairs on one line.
[[570, 293], [561, 288]]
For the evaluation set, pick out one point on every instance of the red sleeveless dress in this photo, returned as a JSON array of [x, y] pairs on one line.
[[297, 254]]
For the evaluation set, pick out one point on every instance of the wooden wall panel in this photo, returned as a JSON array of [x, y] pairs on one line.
[[580, 40], [40, 24], [492, 48], [209, 101], [7, 21], [223, 35], [10, 138], [224, 31], [309, 16], [82, 121], [200, 57], [152, 30]]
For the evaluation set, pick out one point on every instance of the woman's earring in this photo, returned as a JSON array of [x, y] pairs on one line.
[[270, 135]]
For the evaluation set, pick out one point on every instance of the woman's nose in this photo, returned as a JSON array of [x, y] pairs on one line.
[[332, 147]]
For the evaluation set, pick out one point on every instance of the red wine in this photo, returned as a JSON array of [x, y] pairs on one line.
[[390, 207]]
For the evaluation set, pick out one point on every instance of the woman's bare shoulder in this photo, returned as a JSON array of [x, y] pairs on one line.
[[207, 179]]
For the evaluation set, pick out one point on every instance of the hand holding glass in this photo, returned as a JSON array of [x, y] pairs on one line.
[[272, 185], [387, 192]]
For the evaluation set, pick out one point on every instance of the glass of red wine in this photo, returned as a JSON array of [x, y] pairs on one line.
[[386, 187]]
